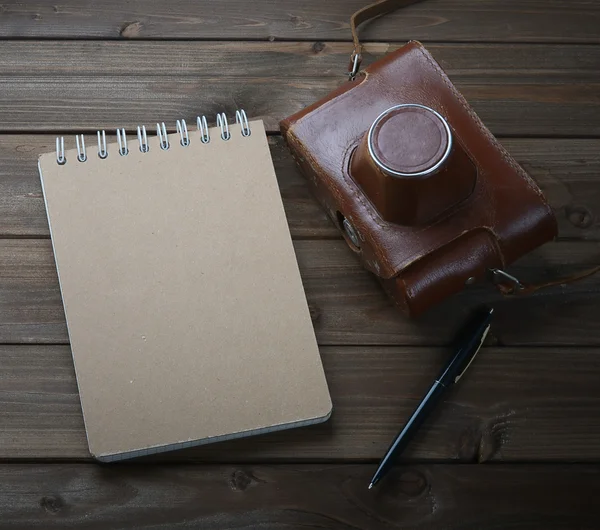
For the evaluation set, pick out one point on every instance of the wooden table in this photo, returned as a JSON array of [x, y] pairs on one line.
[[516, 445]]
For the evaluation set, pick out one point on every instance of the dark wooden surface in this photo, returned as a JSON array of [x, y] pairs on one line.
[[517, 444], [452, 20], [301, 496], [518, 90]]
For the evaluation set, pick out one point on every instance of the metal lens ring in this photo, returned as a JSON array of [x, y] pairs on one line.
[[391, 171]]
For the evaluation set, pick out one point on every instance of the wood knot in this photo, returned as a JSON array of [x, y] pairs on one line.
[[318, 47], [468, 443], [36, 16], [52, 504], [239, 480], [131, 30], [481, 444], [315, 312], [412, 483], [298, 22], [579, 216]]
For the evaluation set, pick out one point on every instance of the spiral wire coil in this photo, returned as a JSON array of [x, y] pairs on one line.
[[203, 129], [222, 123], [163, 137], [102, 152], [143, 139], [183, 133], [161, 132], [123, 151]]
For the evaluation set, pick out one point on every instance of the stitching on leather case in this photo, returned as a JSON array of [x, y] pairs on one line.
[[496, 243], [483, 129]]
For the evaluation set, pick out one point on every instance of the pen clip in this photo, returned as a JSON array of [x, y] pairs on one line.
[[483, 336]]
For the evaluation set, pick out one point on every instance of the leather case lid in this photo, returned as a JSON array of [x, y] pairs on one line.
[[506, 201]]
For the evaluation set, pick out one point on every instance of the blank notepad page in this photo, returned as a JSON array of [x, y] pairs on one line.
[[185, 308]]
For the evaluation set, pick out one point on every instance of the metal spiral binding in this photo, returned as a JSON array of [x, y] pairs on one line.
[[143, 139], [183, 133], [203, 129], [161, 132], [242, 119], [163, 137], [222, 123], [60, 150], [123, 151], [102, 152], [81, 156]]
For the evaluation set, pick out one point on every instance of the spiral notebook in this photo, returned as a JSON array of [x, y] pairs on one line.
[[185, 308]]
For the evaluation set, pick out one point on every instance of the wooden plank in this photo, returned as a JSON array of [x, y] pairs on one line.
[[566, 170], [347, 304], [513, 406], [291, 59], [447, 20], [517, 89], [319, 496]]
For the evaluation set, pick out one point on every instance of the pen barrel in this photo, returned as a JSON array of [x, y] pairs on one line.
[[417, 418], [471, 341]]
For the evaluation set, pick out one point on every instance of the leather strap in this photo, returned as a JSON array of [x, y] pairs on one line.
[[363, 15], [512, 288]]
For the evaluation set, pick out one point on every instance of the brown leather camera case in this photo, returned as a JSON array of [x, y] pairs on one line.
[[504, 217]]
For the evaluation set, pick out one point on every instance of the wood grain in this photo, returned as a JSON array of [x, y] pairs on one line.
[[447, 20], [228, 497], [503, 411], [518, 90], [568, 172], [535, 400], [347, 304]]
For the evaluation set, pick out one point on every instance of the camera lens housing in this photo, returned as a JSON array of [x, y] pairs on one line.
[[411, 167]]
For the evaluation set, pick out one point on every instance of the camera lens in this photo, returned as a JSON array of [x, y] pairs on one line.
[[410, 141], [411, 167]]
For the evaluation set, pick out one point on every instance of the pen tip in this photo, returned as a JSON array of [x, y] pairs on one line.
[[370, 485]]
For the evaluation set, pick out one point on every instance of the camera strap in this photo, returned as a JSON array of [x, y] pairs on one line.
[[363, 15], [507, 284]]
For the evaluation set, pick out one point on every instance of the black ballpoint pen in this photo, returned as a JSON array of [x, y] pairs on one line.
[[470, 343]]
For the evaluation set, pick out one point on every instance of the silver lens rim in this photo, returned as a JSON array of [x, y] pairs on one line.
[[394, 173]]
